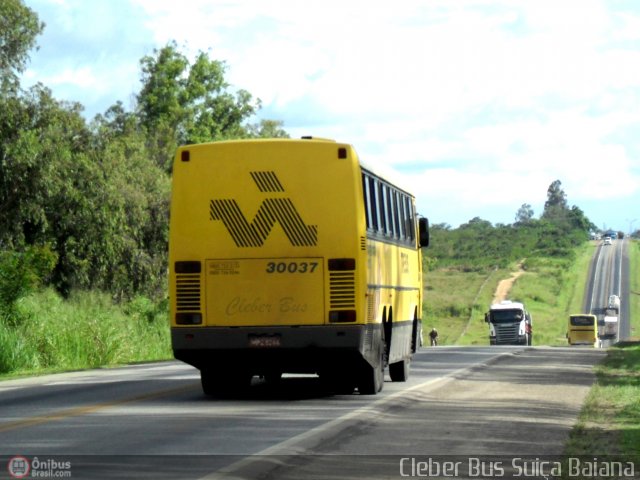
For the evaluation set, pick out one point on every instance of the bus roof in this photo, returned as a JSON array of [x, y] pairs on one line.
[[388, 177]]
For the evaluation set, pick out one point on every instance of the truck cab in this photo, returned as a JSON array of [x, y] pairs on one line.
[[614, 303], [509, 324]]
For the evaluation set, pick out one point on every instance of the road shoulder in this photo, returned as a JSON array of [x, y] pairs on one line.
[[520, 404]]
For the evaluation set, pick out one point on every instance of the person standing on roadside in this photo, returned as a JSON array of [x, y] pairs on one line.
[[433, 336]]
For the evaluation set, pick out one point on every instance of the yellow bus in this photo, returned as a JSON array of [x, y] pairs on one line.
[[583, 330], [288, 256]]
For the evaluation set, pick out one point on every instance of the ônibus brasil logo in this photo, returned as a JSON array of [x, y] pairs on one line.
[[19, 467], [272, 210]]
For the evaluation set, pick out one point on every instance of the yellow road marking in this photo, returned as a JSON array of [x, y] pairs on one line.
[[77, 411]]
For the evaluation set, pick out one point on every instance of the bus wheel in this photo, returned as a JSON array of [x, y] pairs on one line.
[[208, 382], [399, 371], [372, 377]]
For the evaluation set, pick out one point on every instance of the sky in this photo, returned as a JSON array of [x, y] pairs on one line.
[[474, 106]]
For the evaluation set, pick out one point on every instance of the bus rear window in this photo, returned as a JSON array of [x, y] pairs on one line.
[[582, 321]]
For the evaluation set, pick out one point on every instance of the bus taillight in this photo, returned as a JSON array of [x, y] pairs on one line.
[[342, 264], [188, 318], [342, 316]]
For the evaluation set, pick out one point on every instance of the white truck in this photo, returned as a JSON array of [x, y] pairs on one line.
[[610, 321], [614, 303], [509, 324]]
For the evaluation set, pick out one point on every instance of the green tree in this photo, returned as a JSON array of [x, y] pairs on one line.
[[524, 214], [139, 190], [182, 103], [267, 129], [98, 194], [555, 208], [19, 27], [93, 194], [579, 220], [40, 138]]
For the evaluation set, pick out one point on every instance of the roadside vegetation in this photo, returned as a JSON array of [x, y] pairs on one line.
[[83, 331], [609, 424], [84, 205]]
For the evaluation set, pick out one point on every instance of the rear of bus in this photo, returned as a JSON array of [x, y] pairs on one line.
[[267, 259], [583, 330]]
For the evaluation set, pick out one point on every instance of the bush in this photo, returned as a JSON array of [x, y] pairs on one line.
[[20, 274]]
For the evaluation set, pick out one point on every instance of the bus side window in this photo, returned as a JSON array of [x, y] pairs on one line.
[[389, 211], [408, 208], [373, 206], [400, 212], [396, 214], [383, 211], [367, 203]]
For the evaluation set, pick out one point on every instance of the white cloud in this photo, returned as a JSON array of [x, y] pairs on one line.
[[477, 104]]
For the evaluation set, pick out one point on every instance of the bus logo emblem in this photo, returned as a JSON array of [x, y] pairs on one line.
[[272, 210]]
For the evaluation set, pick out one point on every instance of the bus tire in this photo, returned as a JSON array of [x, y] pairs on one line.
[[372, 377], [208, 381], [399, 371]]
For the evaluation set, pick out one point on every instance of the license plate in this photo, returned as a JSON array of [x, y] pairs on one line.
[[264, 341]]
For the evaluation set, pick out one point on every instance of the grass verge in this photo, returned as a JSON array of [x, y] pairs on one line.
[[634, 287], [85, 331], [455, 302], [609, 423]]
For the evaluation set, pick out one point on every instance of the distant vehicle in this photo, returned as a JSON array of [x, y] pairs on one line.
[[614, 303], [509, 324], [610, 326], [583, 330], [607, 241]]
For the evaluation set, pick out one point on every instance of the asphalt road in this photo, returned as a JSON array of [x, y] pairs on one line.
[[152, 421], [609, 275]]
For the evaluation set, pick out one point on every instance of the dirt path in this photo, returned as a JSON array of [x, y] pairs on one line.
[[504, 286]]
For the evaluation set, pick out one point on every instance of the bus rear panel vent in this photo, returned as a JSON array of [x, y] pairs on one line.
[[188, 293]]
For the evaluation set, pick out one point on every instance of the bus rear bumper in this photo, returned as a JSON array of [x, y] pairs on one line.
[[302, 349]]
